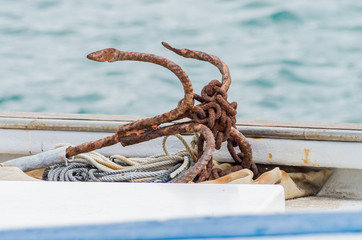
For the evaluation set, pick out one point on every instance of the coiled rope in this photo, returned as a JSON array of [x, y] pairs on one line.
[[95, 167]]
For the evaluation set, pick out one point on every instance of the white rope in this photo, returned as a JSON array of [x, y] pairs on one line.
[[190, 151], [181, 168]]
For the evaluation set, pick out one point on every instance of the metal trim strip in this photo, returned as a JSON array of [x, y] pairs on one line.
[[298, 131]]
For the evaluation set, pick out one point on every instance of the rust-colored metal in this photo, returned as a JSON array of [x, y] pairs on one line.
[[180, 128], [214, 118], [223, 68], [138, 127], [222, 124]]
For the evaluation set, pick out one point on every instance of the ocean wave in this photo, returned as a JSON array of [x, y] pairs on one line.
[[283, 56], [280, 17]]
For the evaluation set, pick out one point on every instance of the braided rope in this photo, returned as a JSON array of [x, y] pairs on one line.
[[189, 150], [93, 166]]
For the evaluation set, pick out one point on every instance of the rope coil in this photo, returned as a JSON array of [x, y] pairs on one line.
[[95, 167]]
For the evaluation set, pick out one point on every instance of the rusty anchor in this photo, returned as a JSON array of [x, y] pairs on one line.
[[214, 117]]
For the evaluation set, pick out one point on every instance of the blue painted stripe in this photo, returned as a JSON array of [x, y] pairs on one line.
[[197, 228]]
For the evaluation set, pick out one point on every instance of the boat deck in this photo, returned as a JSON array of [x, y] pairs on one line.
[[322, 204], [313, 145]]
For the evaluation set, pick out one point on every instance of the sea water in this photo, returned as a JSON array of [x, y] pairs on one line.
[[289, 60]]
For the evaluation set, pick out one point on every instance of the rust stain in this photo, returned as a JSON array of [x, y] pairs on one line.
[[256, 138], [306, 155], [270, 156], [314, 165]]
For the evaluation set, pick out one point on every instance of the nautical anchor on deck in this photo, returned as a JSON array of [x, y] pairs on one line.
[[213, 118]]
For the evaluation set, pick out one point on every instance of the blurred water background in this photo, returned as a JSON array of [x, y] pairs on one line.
[[289, 60]]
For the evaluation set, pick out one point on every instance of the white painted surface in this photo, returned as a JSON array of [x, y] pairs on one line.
[[43, 204], [322, 204], [344, 183], [27, 142], [265, 150], [307, 153]]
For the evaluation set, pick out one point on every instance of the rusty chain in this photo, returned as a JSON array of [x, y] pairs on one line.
[[219, 115]]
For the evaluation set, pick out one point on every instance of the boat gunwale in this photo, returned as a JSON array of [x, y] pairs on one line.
[[324, 131]]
